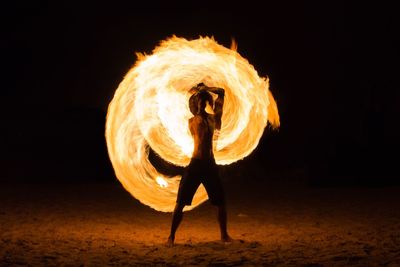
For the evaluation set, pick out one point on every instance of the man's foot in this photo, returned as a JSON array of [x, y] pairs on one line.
[[170, 242], [226, 239]]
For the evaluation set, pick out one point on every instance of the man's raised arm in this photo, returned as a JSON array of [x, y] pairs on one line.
[[219, 103]]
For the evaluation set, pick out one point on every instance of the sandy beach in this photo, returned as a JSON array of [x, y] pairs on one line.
[[97, 224]]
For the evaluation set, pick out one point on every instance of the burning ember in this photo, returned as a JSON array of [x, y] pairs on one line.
[[150, 109]]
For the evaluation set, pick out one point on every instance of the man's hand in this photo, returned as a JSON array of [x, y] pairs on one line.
[[193, 90], [201, 86], [197, 88], [219, 91]]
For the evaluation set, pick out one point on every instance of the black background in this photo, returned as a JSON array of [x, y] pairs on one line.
[[332, 67]]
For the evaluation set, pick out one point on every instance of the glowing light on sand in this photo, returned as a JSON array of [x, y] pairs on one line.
[[150, 109]]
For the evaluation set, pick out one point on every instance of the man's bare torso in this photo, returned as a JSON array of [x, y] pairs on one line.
[[202, 128]]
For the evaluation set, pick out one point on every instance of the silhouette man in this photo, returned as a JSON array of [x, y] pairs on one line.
[[202, 167]]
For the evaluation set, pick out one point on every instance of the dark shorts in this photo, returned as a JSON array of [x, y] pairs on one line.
[[201, 172]]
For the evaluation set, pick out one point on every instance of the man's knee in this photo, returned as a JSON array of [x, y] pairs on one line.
[[218, 201]]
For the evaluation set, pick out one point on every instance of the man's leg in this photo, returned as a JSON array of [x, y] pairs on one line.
[[216, 194], [222, 219], [176, 220]]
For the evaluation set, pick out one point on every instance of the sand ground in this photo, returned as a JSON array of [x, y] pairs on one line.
[[97, 224]]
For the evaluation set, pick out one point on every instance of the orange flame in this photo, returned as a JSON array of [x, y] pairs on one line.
[[150, 109]]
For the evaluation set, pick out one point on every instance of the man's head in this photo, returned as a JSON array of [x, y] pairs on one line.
[[198, 101]]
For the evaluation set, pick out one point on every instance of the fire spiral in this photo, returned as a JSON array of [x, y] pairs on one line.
[[150, 109]]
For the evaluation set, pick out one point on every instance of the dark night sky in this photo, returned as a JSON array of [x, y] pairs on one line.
[[332, 69]]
